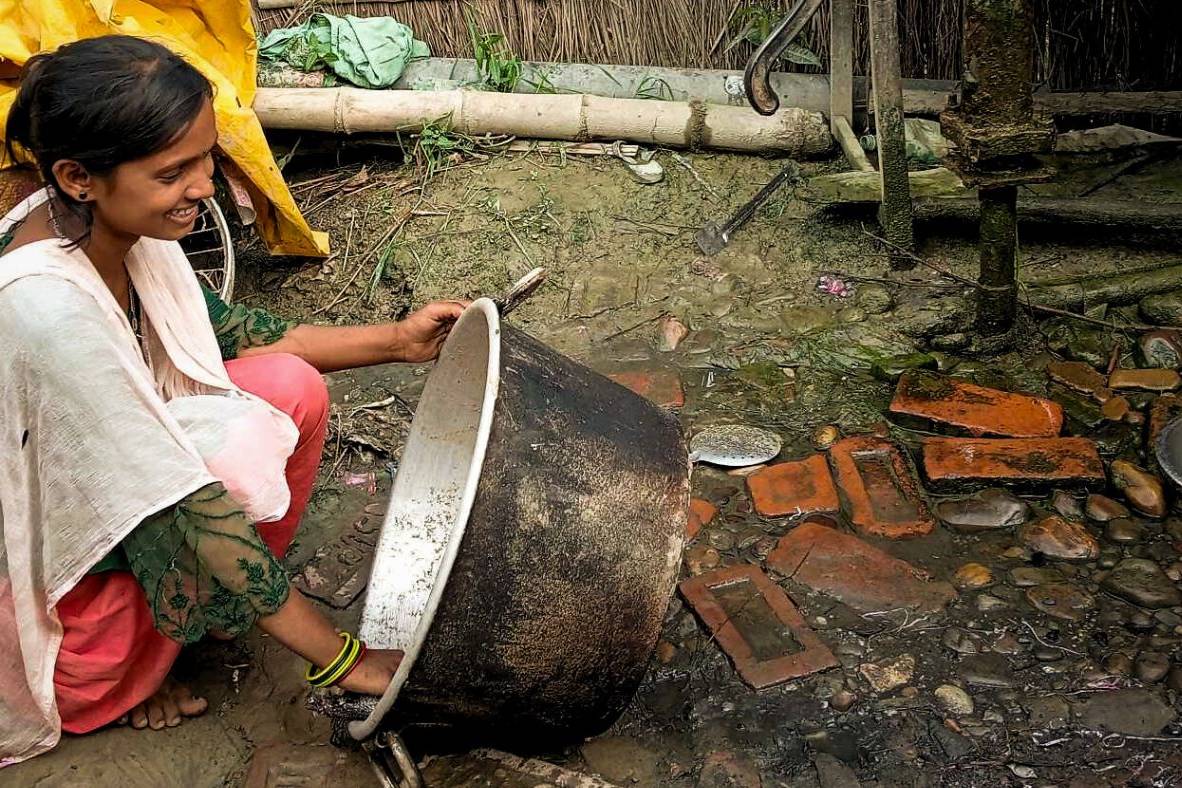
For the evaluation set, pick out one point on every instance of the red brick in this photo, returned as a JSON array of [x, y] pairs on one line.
[[842, 566], [795, 488], [966, 408], [743, 610], [700, 514], [953, 463], [878, 489], [662, 386]]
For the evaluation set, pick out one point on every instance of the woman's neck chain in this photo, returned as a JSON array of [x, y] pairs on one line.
[[134, 308]]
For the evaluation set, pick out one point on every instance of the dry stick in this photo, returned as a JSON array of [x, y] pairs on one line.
[[348, 244], [381, 404], [340, 296], [517, 241], [1048, 310], [685, 163], [630, 329]]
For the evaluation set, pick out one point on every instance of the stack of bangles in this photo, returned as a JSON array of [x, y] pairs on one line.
[[339, 669]]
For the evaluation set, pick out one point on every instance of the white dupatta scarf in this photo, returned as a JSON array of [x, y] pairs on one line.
[[89, 446]]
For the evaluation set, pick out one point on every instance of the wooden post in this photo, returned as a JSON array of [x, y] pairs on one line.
[[895, 212], [841, 83], [841, 62]]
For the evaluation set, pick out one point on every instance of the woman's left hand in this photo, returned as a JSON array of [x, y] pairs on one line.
[[422, 333]]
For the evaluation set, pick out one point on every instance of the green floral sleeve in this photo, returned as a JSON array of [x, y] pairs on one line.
[[204, 567], [239, 327]]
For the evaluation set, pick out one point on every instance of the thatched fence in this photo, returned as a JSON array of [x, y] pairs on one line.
[[1082, 44]]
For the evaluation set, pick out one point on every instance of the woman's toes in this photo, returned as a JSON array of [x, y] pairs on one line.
[[187, 704], [172, 714], [139, 717], [155, 714]]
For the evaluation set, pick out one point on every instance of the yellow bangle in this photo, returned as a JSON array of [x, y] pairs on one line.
[[314, 676], [356, 649]]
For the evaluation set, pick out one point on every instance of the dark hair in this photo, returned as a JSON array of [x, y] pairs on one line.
[[102, 102]]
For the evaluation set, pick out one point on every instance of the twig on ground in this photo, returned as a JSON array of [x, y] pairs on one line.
[[385, 403], [684, 162], [516, 240], [381, 242], [1042, 642], [632, 328], [653, 228]]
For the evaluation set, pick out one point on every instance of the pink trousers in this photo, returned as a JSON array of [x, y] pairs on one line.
[[112, 658]]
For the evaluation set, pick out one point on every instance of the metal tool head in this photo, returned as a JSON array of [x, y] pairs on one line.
[[735, 446], [711, 239]]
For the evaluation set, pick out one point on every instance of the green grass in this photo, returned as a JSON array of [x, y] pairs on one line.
[[654, 88], [499, 67], [435, 145], [753, 24]]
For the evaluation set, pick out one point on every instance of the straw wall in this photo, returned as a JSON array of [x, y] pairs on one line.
[[1083, 44]]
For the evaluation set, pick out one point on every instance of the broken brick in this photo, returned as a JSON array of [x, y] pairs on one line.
[[794, 488], [339, 571], [842, 566], [878, 489], [964, 407], [1145, 379], [757, 626], [1081, 377], [1024, 463], [662, 386], [701, 513], [1115, 409]]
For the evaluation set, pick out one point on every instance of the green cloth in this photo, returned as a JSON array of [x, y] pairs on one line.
[[370, 53], [204, 567], [239, 327]]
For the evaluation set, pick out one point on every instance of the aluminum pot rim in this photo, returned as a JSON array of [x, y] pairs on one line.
[[482, 308]]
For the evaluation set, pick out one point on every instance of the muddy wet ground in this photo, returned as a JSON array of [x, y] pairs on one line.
[[1034, 698]]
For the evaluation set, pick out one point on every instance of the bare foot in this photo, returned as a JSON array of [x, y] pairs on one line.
[[166, 708], [373, 674]]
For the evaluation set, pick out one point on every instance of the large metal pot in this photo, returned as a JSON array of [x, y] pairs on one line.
[[532, 542]]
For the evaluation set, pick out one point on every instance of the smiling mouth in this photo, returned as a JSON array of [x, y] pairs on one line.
[[183, 215]]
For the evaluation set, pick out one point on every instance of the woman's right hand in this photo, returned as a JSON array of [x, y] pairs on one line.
[[374, 673]]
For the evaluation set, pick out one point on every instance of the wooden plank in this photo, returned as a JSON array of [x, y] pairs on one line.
[[1068, 213], [895, 210], [841, 64], [850, 145], [1151, 102], [865, 186]]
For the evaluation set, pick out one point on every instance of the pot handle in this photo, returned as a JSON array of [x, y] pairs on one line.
[[519, 293]]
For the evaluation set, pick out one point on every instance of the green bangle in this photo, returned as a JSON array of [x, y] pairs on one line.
[[355, 650], [314, 676]]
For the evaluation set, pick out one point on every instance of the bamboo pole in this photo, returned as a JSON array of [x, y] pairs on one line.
[[581, 118], [895, 212]]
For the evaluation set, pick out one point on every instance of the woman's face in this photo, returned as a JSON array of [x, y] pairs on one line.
[[157, 196]]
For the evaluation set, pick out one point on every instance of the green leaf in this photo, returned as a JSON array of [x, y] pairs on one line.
[[801, 55]]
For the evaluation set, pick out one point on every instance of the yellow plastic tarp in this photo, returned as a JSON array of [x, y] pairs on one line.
[[217, 37]]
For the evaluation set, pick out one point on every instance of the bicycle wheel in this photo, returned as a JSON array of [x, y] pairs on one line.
[[210, 249]]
